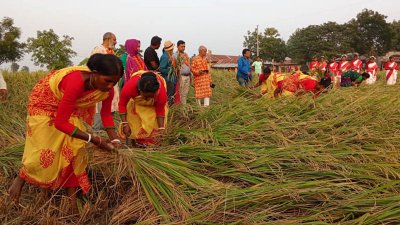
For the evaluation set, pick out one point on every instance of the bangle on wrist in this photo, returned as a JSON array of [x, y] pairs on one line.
[[90, 138], [116, 141], [161, 128]]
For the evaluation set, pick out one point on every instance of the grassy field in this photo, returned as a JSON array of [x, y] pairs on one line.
[[330, 160]]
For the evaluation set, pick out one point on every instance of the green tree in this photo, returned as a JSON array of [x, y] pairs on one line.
[[271, 45], [14, 67], [10, 47], [49, 50], [370, 33], [119, 50], [84, 62], [25, 69], [328, 39], [395, 26]]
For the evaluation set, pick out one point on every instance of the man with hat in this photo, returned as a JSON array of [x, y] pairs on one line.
[[356, 63], [372, 69], [169, 71], [391, 68]]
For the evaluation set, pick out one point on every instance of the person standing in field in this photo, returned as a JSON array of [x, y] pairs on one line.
[[391, 68], [202, 77], [257, 65], [143, 108], [343, 66], [333, 68], [372, 69], [134, 61], [55, 155], [314, 64], [243, 75], [169, 71], [356, 64], [322, 65], [107, 47], [3, 88], [183, 67], [150, 55]]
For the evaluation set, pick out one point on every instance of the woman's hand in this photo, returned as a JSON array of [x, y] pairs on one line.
[[102, 143], [127, 130]]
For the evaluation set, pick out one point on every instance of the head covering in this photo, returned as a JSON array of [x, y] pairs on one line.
[[168, 45], [356, 54], [344, 55], [322, 57], [372, 57], [131, 46]]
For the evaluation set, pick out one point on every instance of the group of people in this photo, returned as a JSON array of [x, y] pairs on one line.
[[139, 89], [342, 74], [344, 71]]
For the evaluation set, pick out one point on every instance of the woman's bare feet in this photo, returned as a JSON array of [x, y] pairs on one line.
[[15, 189]]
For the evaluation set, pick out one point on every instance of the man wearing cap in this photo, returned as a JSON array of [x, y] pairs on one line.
[[3, 88], [169, 71], [391, 68], [107, 47], [183, 67], [356, 63], [150, 55], [372, 69]]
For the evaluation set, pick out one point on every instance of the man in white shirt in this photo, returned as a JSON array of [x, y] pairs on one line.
[[3, 88], [107, 47]]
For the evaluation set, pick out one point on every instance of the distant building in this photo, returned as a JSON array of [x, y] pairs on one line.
[[222, 62], [286, 66]]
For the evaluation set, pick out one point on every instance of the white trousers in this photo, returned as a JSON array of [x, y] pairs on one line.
[[371, 79], [392, 79], [206, 101]]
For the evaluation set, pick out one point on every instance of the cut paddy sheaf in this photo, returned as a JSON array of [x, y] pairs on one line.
[[334, 159]]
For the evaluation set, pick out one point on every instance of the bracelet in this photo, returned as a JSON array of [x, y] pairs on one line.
[[124, 122], [90, 138], [116, 141], [161, 128]]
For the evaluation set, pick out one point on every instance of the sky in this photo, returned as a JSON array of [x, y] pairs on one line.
[[220, 25]]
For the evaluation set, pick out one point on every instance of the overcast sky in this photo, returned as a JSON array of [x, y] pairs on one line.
[[218, 24]]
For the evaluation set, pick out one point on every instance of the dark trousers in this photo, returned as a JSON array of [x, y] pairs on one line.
[[171, 86]]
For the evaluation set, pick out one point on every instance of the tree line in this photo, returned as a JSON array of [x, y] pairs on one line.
[[367, 34]]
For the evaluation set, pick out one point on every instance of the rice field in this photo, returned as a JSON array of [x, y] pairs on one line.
[[330, 160]]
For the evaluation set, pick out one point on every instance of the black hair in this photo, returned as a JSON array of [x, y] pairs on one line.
[[148, 82], [304, 69], [156, 40], [180, 42], [245, 50], [365, 75], [267, 70], [105, 64], [325, 81]]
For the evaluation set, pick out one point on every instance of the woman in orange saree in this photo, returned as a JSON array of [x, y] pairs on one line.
[[59, 104]]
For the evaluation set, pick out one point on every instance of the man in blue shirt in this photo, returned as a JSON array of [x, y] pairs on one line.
[[243, 75]]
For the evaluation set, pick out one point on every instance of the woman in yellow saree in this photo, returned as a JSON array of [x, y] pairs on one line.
[[268, 82], [54, 155], [143, 108]]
